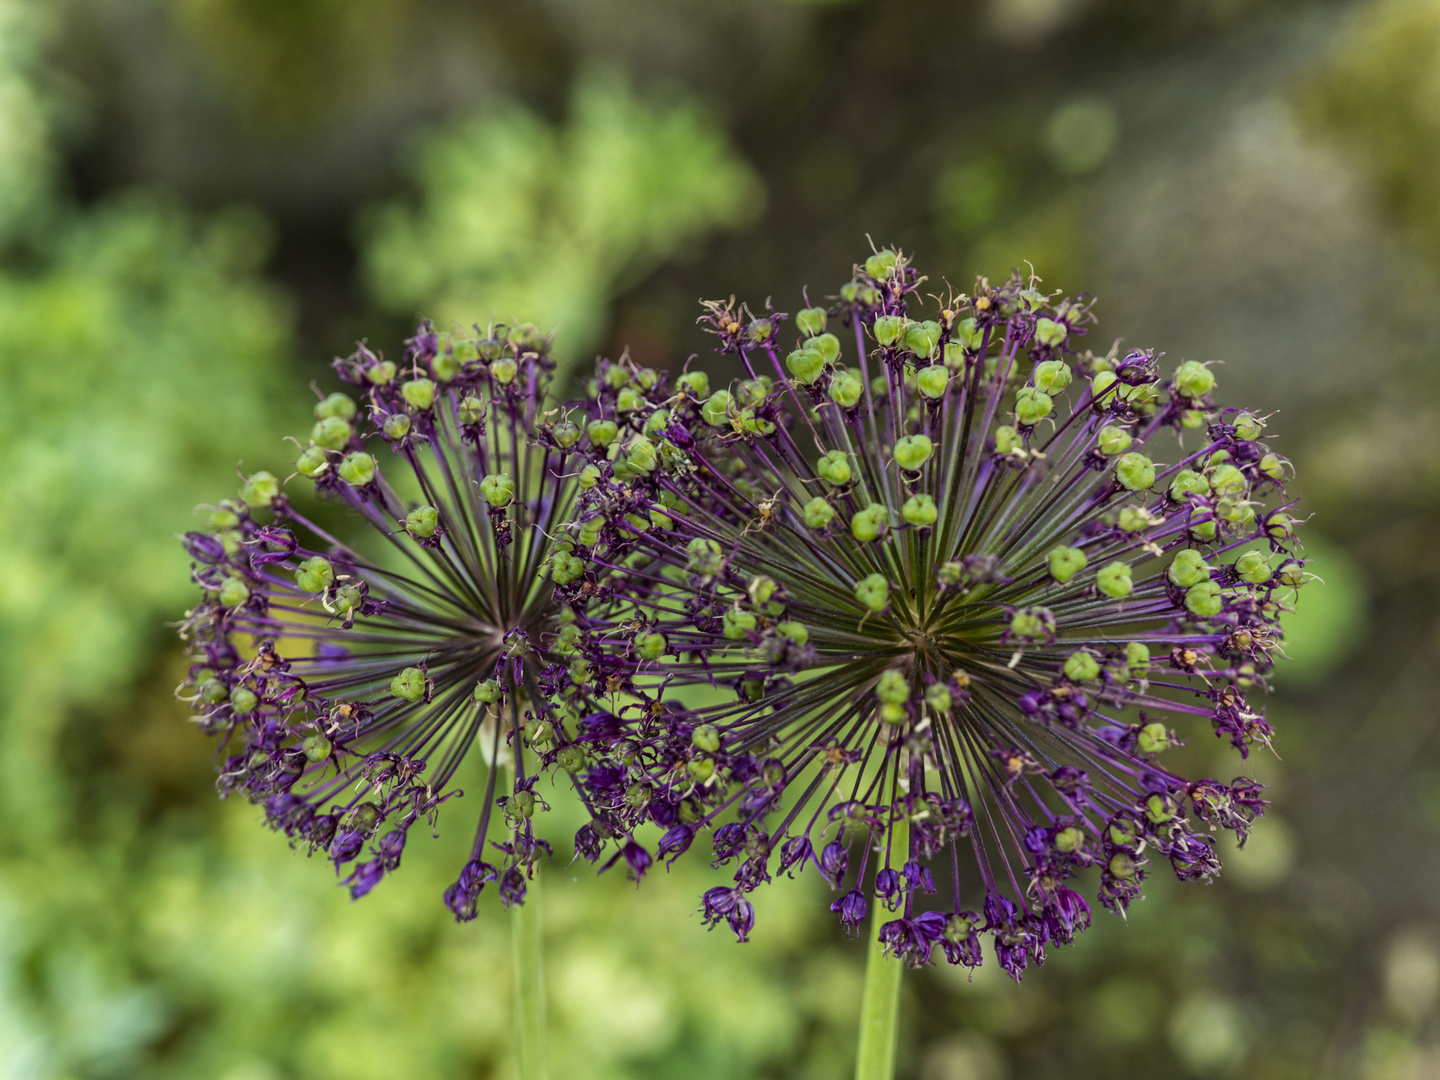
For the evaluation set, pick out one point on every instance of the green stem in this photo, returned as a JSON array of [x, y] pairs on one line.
[[880, 1004], [529, 985]]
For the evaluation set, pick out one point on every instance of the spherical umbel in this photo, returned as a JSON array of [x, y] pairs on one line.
[[1003, 577]]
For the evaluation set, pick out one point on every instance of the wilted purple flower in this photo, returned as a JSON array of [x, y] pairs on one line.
[[346, 682], [954, 576]]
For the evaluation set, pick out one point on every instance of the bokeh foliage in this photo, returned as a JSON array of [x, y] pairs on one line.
[[1198, 164]]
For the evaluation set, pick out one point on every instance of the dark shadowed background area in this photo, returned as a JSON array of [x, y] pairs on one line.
[[203, 201]]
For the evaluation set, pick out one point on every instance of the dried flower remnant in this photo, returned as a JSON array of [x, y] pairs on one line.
[[345, 688], [927, 598]]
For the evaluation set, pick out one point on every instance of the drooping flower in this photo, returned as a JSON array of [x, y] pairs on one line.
[[928, 599], [346, 682]]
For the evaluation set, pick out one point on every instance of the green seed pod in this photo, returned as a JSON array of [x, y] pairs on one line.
[[628, 400], [1101, 384], [409, 685], [589, 476], [1082, 666], [967, 335], [1114, 580], [1007, 440], [1137, 657], [347, 599], [471, 410], [1253, 567], [1113, 440], [336, 405], [1292, 574], [602, 432], [938, 698], [1227, 480], [695, 383], [887, 329], [704, 556], [647, 378], [567, 638], [233, 592], [1135, 472], [312, 462], [716, 411], [759, 331], [1032, 406], [445, 366], [656, 422], [1203, 599], [1049, 332], [316, 748], [1187, 569], [893, 688], [422, 522], [1193, 379], [873, 592], [912, 451], [737, 624], [879, 265], [1273, 466], [498, 489], [920, 511], [1065, 562], [1123, 866], [1186, 483], [1279, 526], [570, 758], [869, 523], [1154, 738], [891, 714], [381, 373], [650, 646], [807, 365], [793, 631], [1069, 840], [1159, 809], [243, 700], [357, 469], [834, 468], [1237, 513], [1192, 419], [260, 489], [589, 534], [314, 575], [1248, 426], [752, 392], [827, 345], [923, 338], [566, 434], [817, 513], [932, 381], [846, 387], [1134, 518], [642, 455], [810, 321], [566, 568], [418, 393], [504, 370], [879, 388], [213, 691], [396, 426], [1028, 624], [1203, 531], [706, 737], [332, 433], [1052, 376]]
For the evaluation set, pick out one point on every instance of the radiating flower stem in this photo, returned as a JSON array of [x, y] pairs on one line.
[[529, 985], [880, 1003]]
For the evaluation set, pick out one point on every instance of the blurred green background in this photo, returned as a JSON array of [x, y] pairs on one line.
[[202, 201]]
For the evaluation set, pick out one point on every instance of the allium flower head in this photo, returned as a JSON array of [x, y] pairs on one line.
[[927, 601], [346, 683]]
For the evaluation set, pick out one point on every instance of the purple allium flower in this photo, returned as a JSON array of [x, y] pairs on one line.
[[950, 574], [345, 683]]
